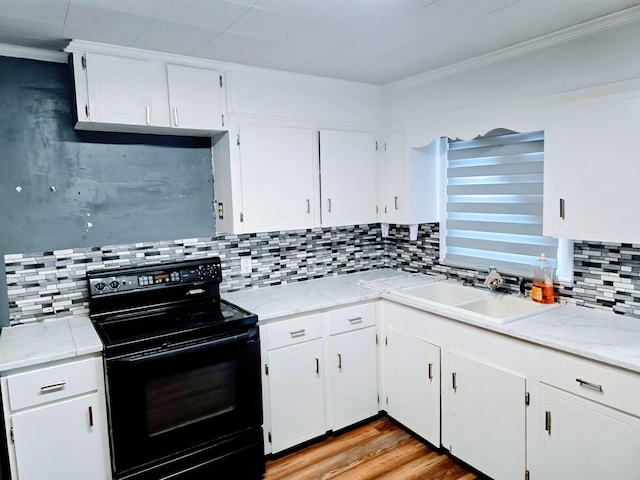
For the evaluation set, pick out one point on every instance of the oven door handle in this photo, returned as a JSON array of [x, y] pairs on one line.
[[170, 352]]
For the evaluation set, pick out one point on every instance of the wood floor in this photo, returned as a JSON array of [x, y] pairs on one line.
[[380, 450]]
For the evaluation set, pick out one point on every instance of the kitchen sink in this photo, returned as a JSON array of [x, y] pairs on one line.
[[501, 308], [474, 303]]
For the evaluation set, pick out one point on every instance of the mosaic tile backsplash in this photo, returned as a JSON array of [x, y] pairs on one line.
[[53, 284]]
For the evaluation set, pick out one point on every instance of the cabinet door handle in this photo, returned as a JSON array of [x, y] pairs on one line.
[[90, 416], [547, 421], [308, 206], [454, 383], [584, 383], [53, 386], [395, 201], [147, 110], [431, 371], [175, 117], [562, 208], [329, 205], [340, 361], [317, 365], [297, 333], [355, 320]]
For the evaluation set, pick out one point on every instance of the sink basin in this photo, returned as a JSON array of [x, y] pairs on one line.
[[446, 293], [474, 303], [504, 308]]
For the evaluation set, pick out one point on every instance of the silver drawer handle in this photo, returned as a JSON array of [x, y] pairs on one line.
[[355, 320], [196, 291], [584, 383], [297, 333], [53, 386]]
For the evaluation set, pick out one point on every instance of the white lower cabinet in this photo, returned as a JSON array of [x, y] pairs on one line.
[[352, 366], [509, 408], [62, 440], [485, 413], [588, 420], [295, 381], [586, 440], [55, 418], [320, 374], [412, 375], [296, 386]]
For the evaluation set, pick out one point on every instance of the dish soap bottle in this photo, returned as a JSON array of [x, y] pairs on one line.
[[544, 274]]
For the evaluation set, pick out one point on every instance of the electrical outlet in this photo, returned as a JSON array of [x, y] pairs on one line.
[[245, 265]]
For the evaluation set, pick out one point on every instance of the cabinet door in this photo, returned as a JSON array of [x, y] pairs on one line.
[[61, 440], [127, 91], [277, 178], [353, 375], [412, 383], [195, 98], [592, 146], [347, 178], [296, 390], [392, 189], [584, 439], [486, 418]]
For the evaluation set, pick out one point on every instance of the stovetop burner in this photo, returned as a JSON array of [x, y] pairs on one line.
[[152, 327]]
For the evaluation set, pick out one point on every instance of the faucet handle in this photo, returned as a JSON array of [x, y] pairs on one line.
[[489, 268]]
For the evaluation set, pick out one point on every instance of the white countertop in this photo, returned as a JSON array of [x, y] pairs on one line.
[[278, 301], [593, 334], [38, 343]]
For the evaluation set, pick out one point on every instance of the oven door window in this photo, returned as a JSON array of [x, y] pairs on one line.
[[190, 397]]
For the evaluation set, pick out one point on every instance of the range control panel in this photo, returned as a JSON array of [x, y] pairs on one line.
[[126, 280]]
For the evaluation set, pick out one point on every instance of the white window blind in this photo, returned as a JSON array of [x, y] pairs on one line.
[[494, 202]]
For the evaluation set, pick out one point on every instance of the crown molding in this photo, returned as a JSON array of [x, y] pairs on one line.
[[590, 27], [16, 51]]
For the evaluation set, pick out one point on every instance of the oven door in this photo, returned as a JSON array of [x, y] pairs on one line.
[[182, 397]]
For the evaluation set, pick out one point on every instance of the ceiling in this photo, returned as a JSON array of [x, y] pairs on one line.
[[371, 41]]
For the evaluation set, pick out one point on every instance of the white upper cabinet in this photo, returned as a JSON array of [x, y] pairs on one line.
[[347, 178], [272, 178], [592, 146], [121, 94], [195, 98], [277, 175], [408, 181], [391, 194], [124, 91]]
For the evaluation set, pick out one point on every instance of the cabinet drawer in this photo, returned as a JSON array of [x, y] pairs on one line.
[[53, 383], [351, 318], [296, 330], [601, 383]]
